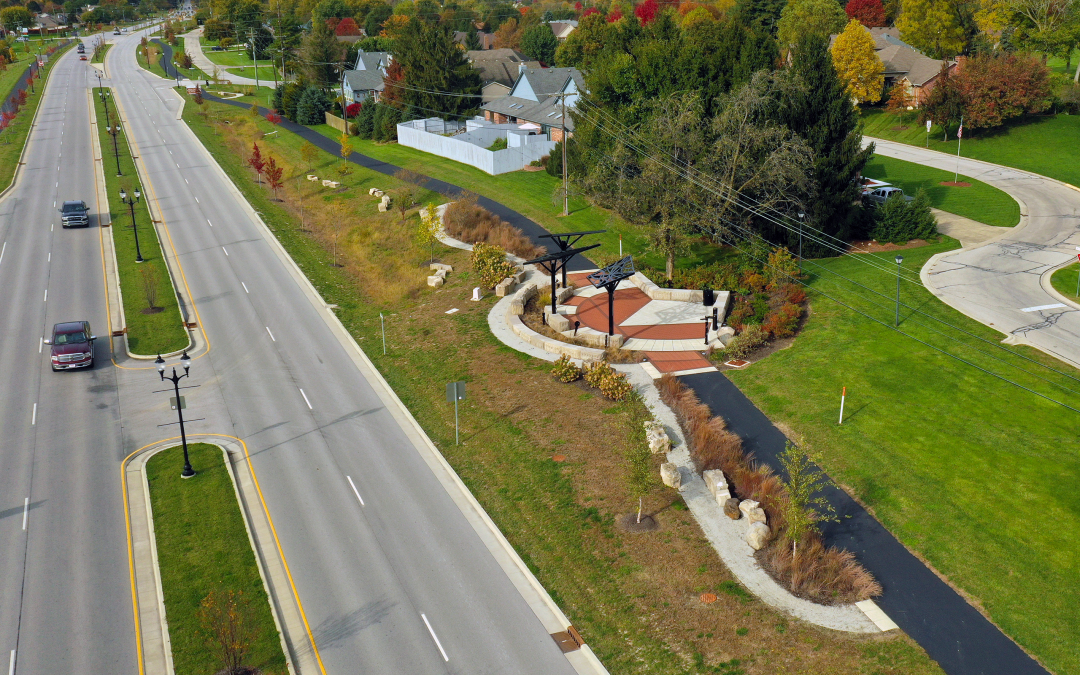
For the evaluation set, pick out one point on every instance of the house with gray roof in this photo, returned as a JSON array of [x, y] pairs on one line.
[[499, 69], [365, 80], [537, 99]]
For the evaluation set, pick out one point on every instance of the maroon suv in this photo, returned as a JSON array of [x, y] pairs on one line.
[[72, 345]]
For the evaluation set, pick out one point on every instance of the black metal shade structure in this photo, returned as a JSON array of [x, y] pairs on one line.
[[608, 278], [566, 240], [553, 262]]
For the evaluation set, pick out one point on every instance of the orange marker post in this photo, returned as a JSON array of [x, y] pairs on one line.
[[843, 395]]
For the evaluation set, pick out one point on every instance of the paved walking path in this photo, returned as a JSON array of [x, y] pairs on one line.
[[935, 616], [193, 46], [1003, 282]]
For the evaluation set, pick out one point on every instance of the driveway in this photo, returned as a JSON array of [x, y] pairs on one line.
[[1004, 282]]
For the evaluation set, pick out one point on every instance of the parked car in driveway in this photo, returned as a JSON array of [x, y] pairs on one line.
[[72, 345], [883, 194], [75, 214]]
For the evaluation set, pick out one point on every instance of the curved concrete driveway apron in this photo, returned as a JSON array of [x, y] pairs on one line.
[[1000, 281], [194, 47]]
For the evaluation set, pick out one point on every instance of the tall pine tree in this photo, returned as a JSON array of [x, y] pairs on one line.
[[824, 115], [437, 72]]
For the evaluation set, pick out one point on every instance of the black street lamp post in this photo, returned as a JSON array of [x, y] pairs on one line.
[[899, 261], [185, 361], [114, 130], [131, 207]]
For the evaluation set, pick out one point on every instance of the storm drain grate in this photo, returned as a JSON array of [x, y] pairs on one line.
[[568, 640]]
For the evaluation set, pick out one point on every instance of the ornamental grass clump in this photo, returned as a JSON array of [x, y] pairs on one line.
[[811, 570], [489, 263], [564, 370]]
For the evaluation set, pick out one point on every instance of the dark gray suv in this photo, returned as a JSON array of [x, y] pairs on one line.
[[75, 214]]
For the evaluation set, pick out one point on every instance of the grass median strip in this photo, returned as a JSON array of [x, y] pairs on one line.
[[544, 459], [1064, 281], [204, 555], [14, 137], [151, 312], [978, 201]]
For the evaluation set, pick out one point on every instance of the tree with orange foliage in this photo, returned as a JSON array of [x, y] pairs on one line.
[[509, 35], [394, 26]]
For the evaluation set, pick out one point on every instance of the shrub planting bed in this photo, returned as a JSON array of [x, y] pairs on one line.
[[466, 221]]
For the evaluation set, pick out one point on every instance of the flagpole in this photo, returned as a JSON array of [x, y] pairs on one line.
[[959, 137]]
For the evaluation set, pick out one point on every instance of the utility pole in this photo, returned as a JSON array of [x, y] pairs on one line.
[[565, 189], [254, 52]]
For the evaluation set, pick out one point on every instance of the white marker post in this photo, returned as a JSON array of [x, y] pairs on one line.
[[1078, 274], [959, 138], [620, 246], [928, 123], [843, 395], [383, 322]]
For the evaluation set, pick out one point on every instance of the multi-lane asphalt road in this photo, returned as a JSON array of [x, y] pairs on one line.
[[379, 581]]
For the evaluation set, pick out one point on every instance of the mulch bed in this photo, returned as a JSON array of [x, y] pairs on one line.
[[949, 183], [864, 246]]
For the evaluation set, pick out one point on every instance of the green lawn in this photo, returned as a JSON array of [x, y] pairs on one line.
[[155, 66], [1064, 280], [1040, 144], [13, 138], [977, 476], [979, 202], [203, 546], [1057, 64], [234, 57], [147, 333]]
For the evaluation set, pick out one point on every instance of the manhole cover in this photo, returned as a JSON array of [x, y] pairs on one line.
[[708, 598], [736, 363]]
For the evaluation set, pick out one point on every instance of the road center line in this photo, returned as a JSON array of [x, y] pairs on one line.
[[355, 491], [273, 338], [1039, 308], [245, 288], [25, 512], [435, 638], [50, 257], [301, 393], [41, 341], [2, 251], [46, 295], [11, 663], [209, 223], [33, 417], [223, 249], [196, 198]]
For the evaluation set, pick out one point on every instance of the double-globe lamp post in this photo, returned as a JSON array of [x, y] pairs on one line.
[[899, 261], [185, 361], [131, 207]]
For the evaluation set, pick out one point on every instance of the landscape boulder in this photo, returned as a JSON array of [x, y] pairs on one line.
[[435, 281], [731, 508], [757, 535], [441, 266], [714, 479], [657, 437], [669, 473], [752, 510]]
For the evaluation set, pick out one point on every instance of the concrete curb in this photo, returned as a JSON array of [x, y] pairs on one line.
[[156, 644], [534, 594]]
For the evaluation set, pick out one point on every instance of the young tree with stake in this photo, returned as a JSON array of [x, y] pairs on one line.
[[804, 507]]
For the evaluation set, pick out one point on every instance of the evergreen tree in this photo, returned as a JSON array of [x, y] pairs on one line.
[[321, 53], [365, 122], [311, 106], [472, 38], [433, 66], [539, 44], [823, 114]]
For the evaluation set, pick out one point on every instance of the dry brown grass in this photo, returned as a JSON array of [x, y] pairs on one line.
[[826, 575], [376, 249], [471, 223]]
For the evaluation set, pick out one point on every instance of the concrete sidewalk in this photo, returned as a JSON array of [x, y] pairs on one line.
[[193, 46]]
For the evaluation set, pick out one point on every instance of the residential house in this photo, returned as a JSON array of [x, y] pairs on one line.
[[903, 63], [366, 79], [498, 68], [46, 24], [563, 28], [537, 98], [487, 40]]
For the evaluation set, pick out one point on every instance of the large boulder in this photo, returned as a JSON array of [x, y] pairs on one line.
[[669, 473], [752, 510], [714, 480], [757, 535], [657, 437]]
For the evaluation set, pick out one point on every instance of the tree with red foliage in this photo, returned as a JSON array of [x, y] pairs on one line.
[[353, 109], [614, 15], [347, 26], [332, 23], [22, 97], [577, 6], [996, 88], [273, 117], [392, 83], [590, 11], [14, 102], [870, 13], [646, 12], [273, 175], [257, 162]]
